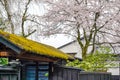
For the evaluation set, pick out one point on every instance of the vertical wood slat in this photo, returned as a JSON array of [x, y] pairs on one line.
[[55, 74], [60, 75], [65, 74], [69, 75]]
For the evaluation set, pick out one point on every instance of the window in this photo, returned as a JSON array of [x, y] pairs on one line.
[[43, 70], [31, 72]]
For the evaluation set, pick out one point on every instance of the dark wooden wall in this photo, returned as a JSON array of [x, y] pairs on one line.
[[115, 77], [65, 73], [94, 76]]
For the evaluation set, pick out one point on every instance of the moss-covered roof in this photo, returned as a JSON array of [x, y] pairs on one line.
[[33, 46]]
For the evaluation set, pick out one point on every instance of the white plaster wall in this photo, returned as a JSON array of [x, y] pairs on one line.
[[69, 48], [114, 71], [74, 48]]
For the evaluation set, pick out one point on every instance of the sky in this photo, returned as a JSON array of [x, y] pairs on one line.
[[56, 41]]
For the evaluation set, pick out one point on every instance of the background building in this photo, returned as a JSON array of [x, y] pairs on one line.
[[73, 48]]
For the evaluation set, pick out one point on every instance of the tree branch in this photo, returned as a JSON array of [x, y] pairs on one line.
[[24, 17], [85, 35], [9, 15], [2, 2], [77, 2], [100, 43], [78, 38], [110, 34], [94, 32], [35, 22], [30, 33]]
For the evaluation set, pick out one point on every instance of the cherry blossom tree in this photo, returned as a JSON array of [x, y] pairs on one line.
[[18, 18], [98, 21]]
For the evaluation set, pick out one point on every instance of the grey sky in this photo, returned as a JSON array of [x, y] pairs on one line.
[[56, 41]]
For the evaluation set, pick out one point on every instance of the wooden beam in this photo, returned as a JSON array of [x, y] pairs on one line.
[[6, 53], [32, 57], [27, 56], [10, 45]]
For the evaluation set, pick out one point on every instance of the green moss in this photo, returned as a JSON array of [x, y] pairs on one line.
[[34, 47]]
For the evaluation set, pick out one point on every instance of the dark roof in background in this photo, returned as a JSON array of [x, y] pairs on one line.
[[66, 44], [69, 43]]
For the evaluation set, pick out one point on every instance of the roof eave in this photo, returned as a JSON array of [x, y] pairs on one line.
[[10, 44]]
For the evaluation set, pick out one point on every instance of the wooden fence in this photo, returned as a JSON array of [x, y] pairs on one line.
[[65, 73], [115, 77], [7, 73], [94, 76]]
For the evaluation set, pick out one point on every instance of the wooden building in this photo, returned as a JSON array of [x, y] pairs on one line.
[[35, 58]]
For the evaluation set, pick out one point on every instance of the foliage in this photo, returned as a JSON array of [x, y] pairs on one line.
[[101, 60], [97, 21], [3, 61], [46, 74]]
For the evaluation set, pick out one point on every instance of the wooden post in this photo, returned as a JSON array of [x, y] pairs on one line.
[[50, 71], [119, 69]]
